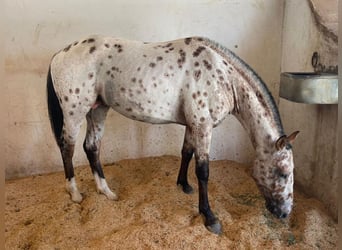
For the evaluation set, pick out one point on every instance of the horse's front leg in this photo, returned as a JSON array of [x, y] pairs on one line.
[[202, 173], [187, 152], [203, 138]]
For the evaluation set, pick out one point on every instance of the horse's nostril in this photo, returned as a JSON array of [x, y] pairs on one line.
[[276, 211], [283, 215]]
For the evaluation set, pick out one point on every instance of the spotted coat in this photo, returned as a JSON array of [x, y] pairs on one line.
[[194, 82]]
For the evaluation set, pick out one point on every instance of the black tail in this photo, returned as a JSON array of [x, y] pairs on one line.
[[55, 111]]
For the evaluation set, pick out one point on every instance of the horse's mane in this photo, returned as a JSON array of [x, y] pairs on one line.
[[251, 76]]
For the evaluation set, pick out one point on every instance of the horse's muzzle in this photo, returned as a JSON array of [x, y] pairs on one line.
[[277, 210]]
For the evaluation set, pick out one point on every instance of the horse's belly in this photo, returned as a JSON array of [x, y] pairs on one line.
[[145, 106]]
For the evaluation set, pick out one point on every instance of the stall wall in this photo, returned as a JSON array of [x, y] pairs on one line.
[[315, 150], [36, 29]]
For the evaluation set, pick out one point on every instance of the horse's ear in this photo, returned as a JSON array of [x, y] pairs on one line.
[[281, 142], [285, 140], [292, 137]]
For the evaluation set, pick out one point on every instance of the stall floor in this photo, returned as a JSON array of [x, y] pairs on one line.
[[153, 213]]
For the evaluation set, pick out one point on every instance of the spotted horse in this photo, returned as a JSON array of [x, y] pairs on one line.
[[194, 82]]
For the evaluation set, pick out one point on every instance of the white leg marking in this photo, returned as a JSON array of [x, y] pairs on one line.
[[71, 187], [103, 188]]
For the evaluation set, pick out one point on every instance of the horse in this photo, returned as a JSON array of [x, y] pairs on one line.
[[194, 82]]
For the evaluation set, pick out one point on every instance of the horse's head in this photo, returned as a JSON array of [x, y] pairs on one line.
[[273, 173]]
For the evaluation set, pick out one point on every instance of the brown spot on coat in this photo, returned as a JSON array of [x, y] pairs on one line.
[[182, 58], [77, 90], [67, 48], [152, 64], [187, 40], [197, 75], [207, 65], [92, 49], [198, 51], [106, 45], [219, 71], [91, 40]]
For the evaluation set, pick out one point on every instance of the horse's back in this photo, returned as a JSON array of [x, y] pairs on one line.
[[154, 82]]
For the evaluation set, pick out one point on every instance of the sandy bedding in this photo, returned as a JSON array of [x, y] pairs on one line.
[[153, 213]]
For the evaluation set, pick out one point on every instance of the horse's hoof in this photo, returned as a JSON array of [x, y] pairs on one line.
[[76, 197], [109, 194], [112, 196], [215, 228], [187, 188], [213, 225]]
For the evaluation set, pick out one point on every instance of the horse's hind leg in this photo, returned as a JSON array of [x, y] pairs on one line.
[[67, 152], [67, 144], [91, 146], [187, 152]]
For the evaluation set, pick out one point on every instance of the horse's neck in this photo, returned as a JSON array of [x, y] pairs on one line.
[[253, 105], [258, 116]]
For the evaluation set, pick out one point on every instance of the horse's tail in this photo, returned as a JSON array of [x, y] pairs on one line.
[[55, 110]]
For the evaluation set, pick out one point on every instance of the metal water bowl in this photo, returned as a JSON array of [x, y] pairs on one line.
[[311, 88]]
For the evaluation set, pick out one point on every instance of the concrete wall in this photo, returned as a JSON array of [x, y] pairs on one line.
[[315, 150], [36, 29]]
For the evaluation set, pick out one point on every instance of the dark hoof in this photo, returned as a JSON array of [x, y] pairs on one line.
[[187, 188], [215, 227]]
